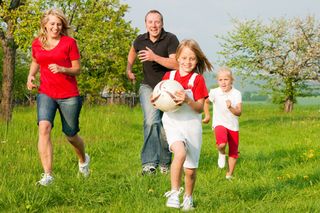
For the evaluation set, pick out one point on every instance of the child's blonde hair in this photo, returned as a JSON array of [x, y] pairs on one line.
[[226, 70], [203, 63]]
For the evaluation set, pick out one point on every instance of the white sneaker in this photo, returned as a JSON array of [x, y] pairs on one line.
[[229, 177], [173, 198], [46, 179], [84, 167], [221, 160], [187, 204]]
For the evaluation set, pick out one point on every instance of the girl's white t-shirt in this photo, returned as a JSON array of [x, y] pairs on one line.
[[221, 114]]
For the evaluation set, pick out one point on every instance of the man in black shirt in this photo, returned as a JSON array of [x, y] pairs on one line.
[[156, 50]]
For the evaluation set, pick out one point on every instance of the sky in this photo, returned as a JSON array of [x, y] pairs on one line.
[[202, 20]]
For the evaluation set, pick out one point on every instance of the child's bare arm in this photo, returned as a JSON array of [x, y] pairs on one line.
[[235, 110], [182, 97], [206, 110]]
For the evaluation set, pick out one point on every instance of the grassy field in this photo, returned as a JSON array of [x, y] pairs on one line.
[[278, 169]]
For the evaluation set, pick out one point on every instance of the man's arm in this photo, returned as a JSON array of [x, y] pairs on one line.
[[131, 59]]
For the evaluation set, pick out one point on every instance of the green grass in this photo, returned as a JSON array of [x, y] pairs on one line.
[[277, 170]]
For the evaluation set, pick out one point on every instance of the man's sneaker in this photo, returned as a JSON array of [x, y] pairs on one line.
[[164, 169], [173, 198], [84, 167], [221, 160], [187, 204], [46, 179], [148, 170]]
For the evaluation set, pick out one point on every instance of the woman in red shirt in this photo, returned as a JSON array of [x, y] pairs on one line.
[[57, 57]]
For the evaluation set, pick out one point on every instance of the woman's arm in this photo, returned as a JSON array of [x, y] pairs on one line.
[[34, 68], [73, 70]]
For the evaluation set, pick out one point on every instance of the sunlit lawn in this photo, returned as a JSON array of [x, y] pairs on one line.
[[278, 169]]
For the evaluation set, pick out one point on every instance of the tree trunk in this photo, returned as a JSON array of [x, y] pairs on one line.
[[289, 91], [288, 105], [9, 56]]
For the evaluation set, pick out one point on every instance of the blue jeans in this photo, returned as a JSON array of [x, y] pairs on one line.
[[155, 149], [69, 109]]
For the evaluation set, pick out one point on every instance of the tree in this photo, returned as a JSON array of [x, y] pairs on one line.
[[17, 25], [283, 57]]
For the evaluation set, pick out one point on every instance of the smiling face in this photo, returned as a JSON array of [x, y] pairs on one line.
[[53, 27], [187, 60], [154, 25], [225, 81]]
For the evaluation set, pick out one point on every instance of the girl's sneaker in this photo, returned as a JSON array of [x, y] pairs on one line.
[[46, 179], [173, 198], [187, 204], [221, 160]]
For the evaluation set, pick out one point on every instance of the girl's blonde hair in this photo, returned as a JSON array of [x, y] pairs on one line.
[[203, 63], [44, 20], [226, 70]]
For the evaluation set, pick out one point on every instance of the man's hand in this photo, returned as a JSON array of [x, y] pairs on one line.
[[146, 55]]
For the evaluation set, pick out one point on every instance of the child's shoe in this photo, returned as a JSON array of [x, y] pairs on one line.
[[173, 198], [187, 204], [221, 160]]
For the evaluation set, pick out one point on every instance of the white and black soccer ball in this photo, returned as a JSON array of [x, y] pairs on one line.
[[163, 95]]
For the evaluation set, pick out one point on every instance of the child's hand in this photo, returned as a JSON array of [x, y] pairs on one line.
[[152, 99], [180, 97], [228, 102], [206, 119]]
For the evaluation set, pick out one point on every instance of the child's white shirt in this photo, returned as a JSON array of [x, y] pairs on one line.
[[222, 116]]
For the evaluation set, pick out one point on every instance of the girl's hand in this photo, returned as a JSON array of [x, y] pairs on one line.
[[152, 99], [228, 103], [206, 119], [54, 68], [181, 97]]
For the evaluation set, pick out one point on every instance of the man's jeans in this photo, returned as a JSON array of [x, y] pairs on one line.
[[155, 150]]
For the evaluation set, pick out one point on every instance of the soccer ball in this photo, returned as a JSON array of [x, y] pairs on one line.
[[163, 95]]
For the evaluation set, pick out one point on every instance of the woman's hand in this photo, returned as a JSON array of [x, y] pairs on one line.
[[30, 84], [54, 68]]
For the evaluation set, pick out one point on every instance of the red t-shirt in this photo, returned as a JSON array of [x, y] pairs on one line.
[[57, 85], [199, 88]]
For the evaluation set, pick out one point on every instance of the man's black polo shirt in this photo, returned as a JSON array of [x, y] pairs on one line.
[[166, 44]]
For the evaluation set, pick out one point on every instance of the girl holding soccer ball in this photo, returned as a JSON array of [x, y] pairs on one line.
[[183, 127]]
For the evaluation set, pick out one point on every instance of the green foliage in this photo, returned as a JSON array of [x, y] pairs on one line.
[[277, 170], [281, 57]]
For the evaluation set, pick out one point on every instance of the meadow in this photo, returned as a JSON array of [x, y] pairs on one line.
[[278, 169]]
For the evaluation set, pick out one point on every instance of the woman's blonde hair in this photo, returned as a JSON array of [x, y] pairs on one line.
[[226, 70], [203, 63], [44, 20]]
